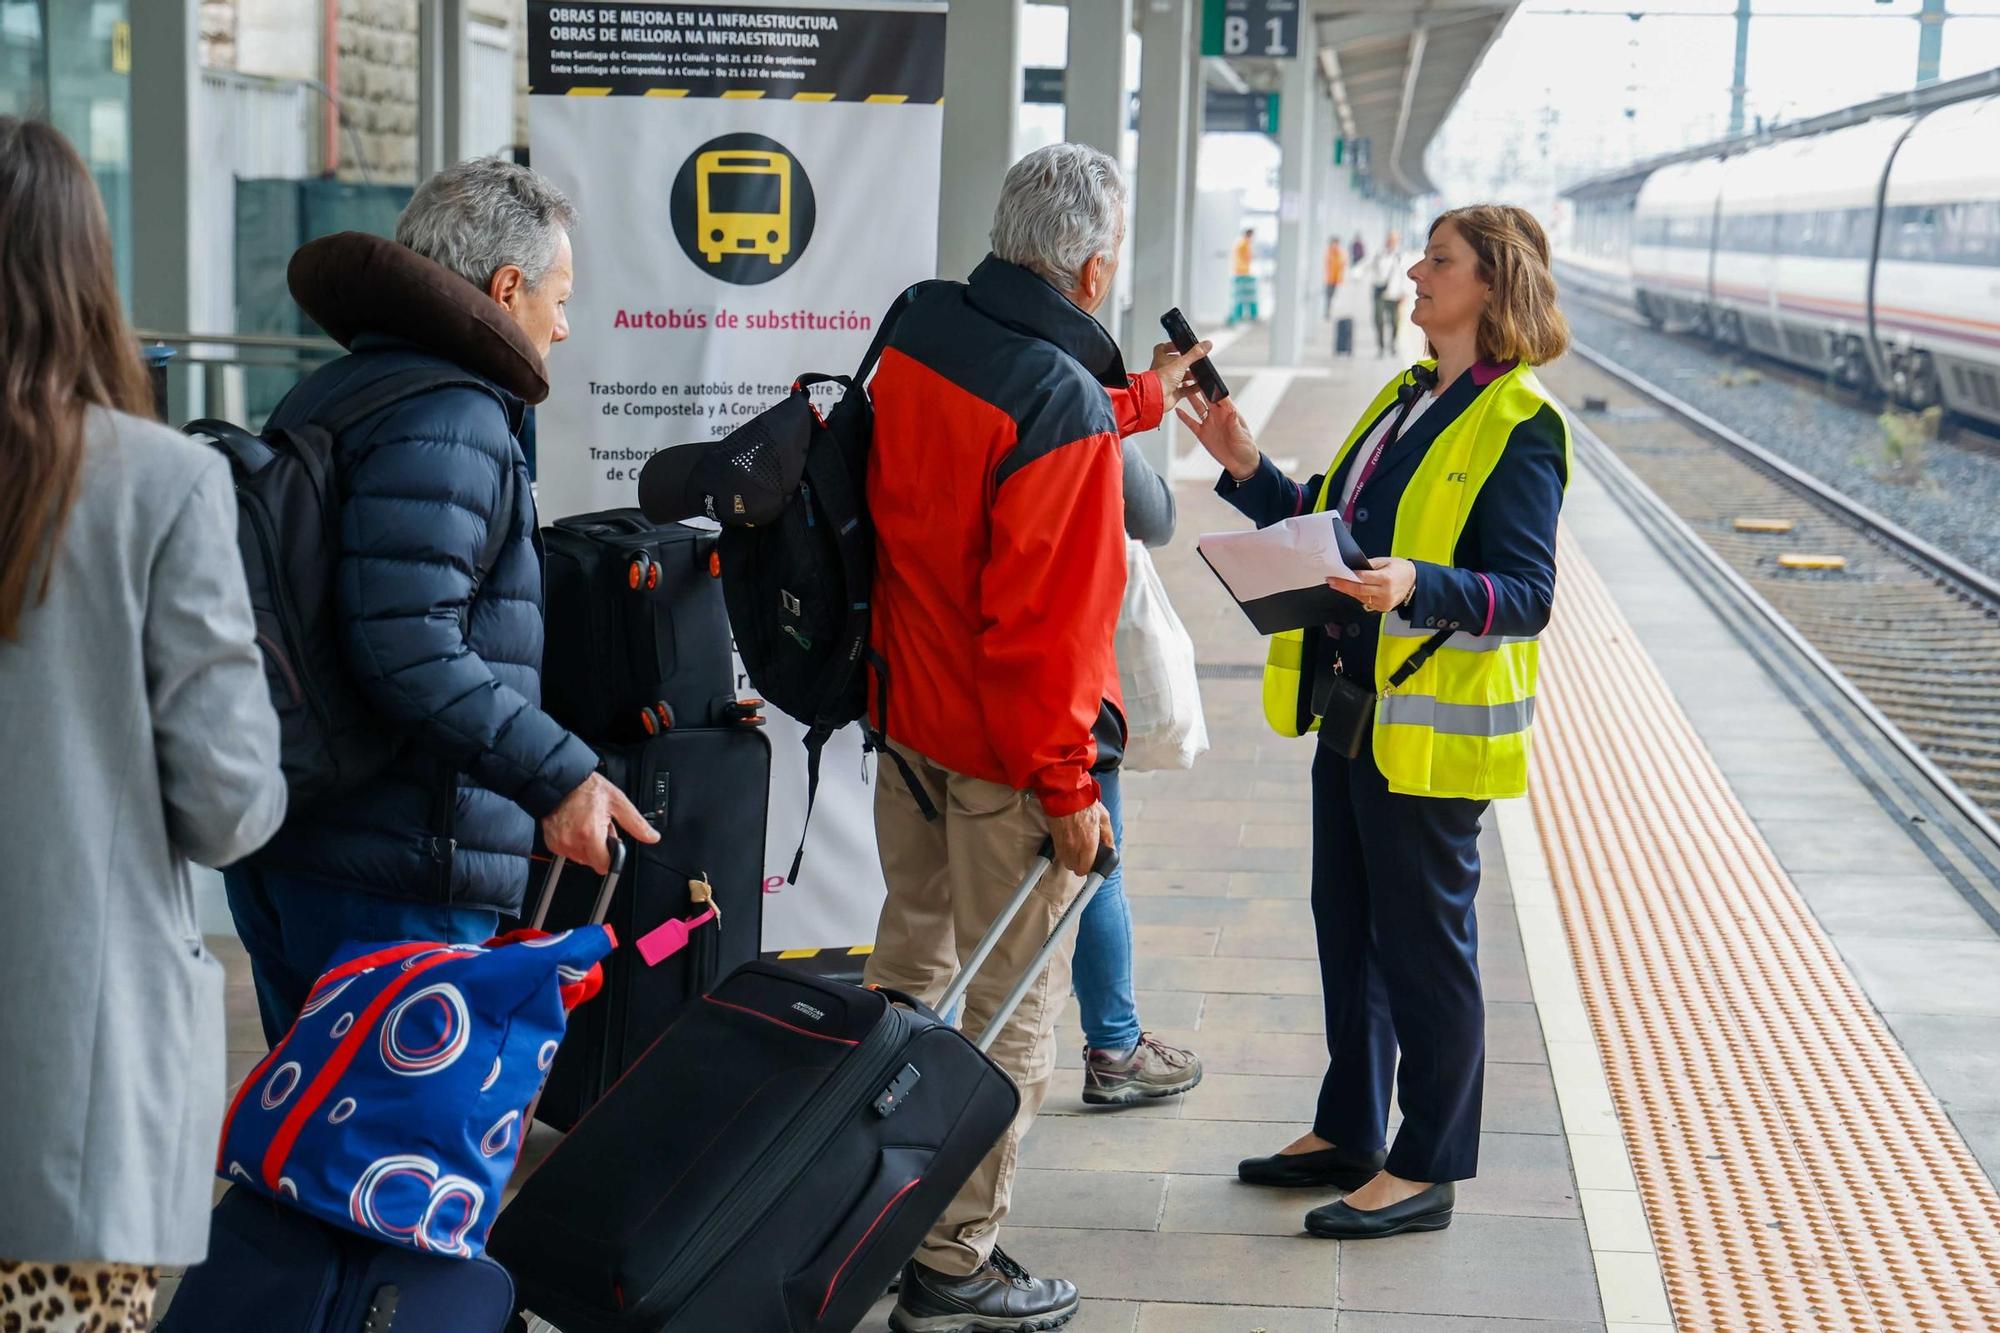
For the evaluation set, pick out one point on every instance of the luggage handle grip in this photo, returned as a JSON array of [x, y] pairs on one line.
[[616, 845], [909, 1001], [1106, 863]]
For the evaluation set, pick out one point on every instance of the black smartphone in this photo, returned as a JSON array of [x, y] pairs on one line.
[[1206, 376]]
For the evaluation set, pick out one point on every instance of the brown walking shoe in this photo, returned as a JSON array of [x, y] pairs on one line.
[[1150, 1069]]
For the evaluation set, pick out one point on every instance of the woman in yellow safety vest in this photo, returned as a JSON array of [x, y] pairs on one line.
[[1422, 691]]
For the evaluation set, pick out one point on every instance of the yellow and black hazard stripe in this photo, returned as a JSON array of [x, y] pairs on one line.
[[839, 963]]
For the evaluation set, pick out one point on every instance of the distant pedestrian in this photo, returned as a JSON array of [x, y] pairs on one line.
[[1356, 251], [1336, 269], [1389, 288], [1243, 280], [138, 735]]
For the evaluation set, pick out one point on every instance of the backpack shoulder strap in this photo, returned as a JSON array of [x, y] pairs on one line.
[[402, 385], [887, 327], [396, 387]]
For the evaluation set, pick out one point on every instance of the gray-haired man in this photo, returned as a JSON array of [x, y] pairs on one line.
[[996, 486], [438, 586]]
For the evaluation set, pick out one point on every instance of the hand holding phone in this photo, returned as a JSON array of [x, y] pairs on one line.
[[1205, 374]]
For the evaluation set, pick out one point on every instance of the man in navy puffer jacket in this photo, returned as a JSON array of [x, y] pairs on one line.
[[436, 847]]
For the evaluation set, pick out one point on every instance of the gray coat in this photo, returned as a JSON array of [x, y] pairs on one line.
[[136, 734]]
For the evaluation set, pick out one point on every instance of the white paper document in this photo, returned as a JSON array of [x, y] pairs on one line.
[[1298, 553]]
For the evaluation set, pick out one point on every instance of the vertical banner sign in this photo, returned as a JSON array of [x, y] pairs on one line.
[[755, 183]]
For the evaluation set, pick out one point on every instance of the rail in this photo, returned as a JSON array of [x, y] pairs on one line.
[[222, 357]]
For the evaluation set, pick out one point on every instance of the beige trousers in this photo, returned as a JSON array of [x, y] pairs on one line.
[[948, 881]]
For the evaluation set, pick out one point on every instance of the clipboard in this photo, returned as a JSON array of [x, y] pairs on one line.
[[1278, 574]]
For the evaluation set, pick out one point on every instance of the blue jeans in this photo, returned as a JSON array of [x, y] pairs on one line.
[[291, 925], [1102, 970]]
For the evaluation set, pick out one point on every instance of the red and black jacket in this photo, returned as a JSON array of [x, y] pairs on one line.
[[995, 484]]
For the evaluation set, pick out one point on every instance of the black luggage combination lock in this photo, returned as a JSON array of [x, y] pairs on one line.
[[897, 1092]]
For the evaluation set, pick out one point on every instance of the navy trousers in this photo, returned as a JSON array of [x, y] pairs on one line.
[[1393, 882]]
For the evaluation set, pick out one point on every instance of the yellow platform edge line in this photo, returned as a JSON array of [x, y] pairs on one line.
[[797, 953]]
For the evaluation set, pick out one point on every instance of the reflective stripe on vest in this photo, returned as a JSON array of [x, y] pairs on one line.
[[1420, 710], [1460, 726]]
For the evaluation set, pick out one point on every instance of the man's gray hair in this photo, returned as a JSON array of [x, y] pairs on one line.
[[480, 216], [1059, 206]]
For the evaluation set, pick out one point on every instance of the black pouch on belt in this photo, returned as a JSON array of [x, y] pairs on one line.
[[1346, 710]]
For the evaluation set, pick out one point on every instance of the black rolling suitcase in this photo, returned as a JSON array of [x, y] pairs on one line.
[[771, 1162], [1343, 337], [706, 790], [638, 636]]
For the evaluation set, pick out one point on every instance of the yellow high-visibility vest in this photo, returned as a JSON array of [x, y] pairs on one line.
[[1459, 726]]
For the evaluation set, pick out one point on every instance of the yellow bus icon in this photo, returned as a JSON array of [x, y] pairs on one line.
[[743, 204]]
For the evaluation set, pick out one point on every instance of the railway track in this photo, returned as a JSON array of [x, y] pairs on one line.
[[1914, 631], [1957, 432]]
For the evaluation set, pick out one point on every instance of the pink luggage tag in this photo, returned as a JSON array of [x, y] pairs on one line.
[[668, 938]]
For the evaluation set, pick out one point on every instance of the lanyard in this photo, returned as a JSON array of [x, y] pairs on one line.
[[1375, 458]]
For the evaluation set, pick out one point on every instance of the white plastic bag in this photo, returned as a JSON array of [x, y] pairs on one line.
[[1163, 718]]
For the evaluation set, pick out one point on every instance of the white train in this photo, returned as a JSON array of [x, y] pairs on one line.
[[1871, 253]]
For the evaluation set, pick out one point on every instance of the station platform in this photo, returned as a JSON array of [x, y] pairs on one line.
[[1743, 1031]]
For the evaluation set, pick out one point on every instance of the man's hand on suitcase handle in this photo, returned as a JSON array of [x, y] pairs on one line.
[[1078, 836], [582, 827]]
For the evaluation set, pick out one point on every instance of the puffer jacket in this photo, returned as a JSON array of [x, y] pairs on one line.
[[420, 483]]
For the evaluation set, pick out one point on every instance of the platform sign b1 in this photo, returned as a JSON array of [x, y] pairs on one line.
[[1265, 29]]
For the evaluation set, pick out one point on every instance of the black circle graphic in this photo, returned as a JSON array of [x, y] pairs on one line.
[[742, 208]]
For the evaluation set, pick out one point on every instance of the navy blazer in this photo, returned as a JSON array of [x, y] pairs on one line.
[[1503, 573]]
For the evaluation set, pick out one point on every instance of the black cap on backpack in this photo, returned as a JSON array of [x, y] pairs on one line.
[[744, 479]]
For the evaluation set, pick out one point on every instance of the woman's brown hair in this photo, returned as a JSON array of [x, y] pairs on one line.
[[1521, 320], [64, 346]]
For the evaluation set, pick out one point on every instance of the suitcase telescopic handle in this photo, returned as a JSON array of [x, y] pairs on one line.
[[1106, 863], [604, 890]]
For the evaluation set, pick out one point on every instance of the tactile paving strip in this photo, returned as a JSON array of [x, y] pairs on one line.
[[1796, 1173]]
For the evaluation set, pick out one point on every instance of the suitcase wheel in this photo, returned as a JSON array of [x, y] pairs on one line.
[[656, 719], [643, 574]]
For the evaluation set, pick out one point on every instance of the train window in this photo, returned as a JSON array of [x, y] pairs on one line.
[[1969, 233], [1914, 229]]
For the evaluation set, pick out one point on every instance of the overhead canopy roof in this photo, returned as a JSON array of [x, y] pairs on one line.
[[1397, 67]]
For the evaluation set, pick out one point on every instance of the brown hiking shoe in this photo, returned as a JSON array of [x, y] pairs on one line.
[[1150, 1069]]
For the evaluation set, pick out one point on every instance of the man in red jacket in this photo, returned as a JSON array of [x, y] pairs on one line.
[[996, 487]]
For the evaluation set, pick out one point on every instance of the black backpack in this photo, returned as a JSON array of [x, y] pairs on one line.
[[798, 589], [288, 529]]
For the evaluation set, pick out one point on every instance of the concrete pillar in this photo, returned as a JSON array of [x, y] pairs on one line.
[[1191, 173], [1094, 88], [1321, 215], [1291, 305], [444, 61], [982, 108], [166, 86], [1159, 257]]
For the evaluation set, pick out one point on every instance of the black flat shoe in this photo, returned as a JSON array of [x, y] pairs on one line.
[[1429, 1211], [1334, 1167]]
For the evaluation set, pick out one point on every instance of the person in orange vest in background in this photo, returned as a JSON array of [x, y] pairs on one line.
[[1336, 269], [1244, 290]]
